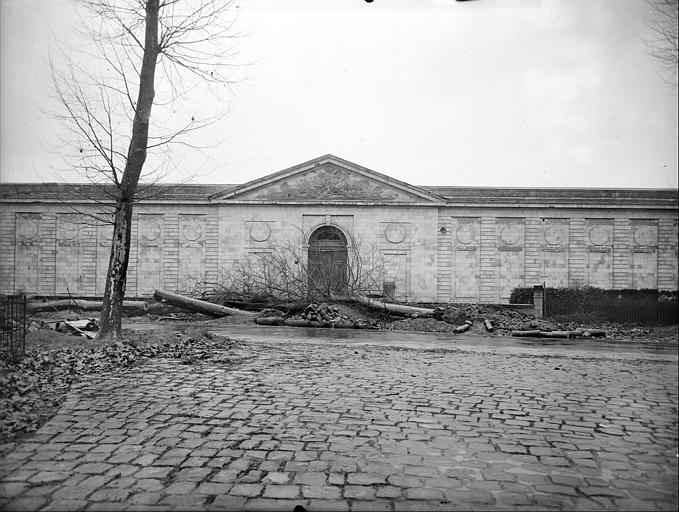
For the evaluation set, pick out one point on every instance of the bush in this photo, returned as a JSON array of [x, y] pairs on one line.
[[521, 296]]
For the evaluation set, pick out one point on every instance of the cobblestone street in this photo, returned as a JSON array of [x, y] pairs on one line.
[[333, 427]]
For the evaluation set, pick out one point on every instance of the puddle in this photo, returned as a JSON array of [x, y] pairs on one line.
[[281, 334]]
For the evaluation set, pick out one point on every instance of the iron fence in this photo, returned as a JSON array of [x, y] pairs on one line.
[[621, 311], [13, 326]]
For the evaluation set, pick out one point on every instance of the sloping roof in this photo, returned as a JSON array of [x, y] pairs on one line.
[[88, 192], [433, 195], [576, 197], [189, 193]]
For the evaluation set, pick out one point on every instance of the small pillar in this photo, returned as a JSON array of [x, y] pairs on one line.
[[538, 301], [389, 291]]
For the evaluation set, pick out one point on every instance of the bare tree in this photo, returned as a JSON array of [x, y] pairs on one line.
[[663, 45], [283, 272], [141, 54]]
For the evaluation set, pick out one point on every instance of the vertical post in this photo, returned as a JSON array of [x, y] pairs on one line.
[[389, 291], [538, 301], [23, 326]]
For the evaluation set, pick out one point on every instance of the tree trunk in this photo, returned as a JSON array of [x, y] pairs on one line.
[[116, 279], [110, 321], [199, 306], [82, 305], [392, 308]]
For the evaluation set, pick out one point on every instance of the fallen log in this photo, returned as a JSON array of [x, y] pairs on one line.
[[463, 328], [301, 322], [269, 320], [248, 306], [82, 305], [557, 334], [526, 334], [392, 308], [587, 333], [158, 308], [199, 306], [297, 322]]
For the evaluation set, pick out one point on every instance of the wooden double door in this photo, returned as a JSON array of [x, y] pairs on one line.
[[328, 262]]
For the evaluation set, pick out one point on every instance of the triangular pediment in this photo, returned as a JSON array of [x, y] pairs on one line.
[[328, 179]]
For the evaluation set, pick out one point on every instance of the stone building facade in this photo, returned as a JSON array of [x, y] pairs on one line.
[[436, 244]]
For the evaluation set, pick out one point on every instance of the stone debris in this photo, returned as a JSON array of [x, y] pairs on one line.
[[324, 315], [479, 319], [314, 315], [87, 328]]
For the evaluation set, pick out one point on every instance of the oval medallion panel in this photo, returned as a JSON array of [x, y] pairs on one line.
[[554, 235], [260, 231], [105, 235], [67, 231], [511, 235], [598, 235], [192, 231], [395, 233], [150, 231], [465, 234], [27, 229], [644, 235]]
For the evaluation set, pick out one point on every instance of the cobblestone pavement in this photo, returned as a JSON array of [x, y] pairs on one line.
[[333, 427]]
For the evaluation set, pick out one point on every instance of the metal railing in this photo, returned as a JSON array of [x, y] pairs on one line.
[[648, 313], [13, 326]]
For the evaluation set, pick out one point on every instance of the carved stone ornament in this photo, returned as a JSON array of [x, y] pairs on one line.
[[260, 231], [644, 235], [150, 231], [330, 182], [395, 233], [27, 228], [554, 235], [192, 231], [465, 234], [510, 235], [598, 235], [104, 235], [67, 231]]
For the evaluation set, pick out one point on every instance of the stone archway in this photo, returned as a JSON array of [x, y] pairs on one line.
[[328, 261]]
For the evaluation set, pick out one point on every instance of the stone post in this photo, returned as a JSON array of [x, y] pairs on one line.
[[389, 291], [538, 301]]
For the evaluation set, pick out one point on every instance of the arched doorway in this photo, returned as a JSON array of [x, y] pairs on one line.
[[328, 261]]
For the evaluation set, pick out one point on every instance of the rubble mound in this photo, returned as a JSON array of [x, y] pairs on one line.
[[327, 315], [318, 315], [505, 320]]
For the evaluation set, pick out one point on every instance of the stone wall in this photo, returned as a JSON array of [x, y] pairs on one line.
[[430, 253], [52, 251], [403, 238], [483, 254]]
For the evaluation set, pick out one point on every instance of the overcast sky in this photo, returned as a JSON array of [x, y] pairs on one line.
[[433, 92]]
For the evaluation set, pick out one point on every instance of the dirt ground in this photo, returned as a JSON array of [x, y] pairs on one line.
[[445, 320]]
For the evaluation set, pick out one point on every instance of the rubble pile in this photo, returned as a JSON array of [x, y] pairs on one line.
[[481, 318], [86, 327], [314, 315], [321, 313], [504, 321]]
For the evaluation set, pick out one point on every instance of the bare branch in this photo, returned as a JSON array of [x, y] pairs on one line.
[[106, 90], [663, 45]]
